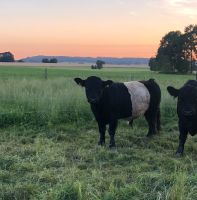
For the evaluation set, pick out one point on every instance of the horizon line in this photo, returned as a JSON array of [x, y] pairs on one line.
[[83, 56]]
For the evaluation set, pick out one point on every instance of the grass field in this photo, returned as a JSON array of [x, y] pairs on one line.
[[48, 142]]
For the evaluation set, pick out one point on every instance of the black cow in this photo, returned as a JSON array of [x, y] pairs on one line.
[[111, 101], [186, 110]]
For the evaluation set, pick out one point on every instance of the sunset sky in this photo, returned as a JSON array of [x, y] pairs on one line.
[[117, 28]]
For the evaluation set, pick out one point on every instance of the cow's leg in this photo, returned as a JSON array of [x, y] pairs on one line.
[[131, 123], [102, 129], [112, 129], [151, 118], [152, 112], [182, 139]]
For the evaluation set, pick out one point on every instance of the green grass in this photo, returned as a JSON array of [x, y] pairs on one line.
[[48, 142]]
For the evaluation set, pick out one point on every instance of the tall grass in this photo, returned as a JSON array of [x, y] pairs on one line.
[[40, 102], [35, 101]]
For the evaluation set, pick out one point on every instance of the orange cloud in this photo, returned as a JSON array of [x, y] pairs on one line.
[[22, 51]]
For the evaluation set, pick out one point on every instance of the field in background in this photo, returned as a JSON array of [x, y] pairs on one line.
[[68, 65], [48, 141]]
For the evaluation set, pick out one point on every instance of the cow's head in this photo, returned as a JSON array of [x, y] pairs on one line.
[[187, 100], [94, 87]]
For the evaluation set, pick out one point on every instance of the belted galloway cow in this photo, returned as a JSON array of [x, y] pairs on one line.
[[111, 101]]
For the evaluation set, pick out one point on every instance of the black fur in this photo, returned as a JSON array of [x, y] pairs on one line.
[[111, 101], [186, 110]]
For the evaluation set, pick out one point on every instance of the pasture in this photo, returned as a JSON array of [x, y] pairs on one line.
[[48, 140]]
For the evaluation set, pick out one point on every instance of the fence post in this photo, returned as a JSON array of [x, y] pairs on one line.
[[46, 74]]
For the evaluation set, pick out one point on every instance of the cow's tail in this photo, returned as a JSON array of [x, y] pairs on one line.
[[158, 120]]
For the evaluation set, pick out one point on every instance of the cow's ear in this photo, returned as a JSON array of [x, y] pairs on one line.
[[173, 91], [79, 81], [107, 83]]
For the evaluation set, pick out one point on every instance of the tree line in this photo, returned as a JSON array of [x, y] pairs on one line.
[[99, 64], [52, 60], [6, 57], [177, 52]]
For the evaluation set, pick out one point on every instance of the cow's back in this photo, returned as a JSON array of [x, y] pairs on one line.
[[140, 97], [192, 83]]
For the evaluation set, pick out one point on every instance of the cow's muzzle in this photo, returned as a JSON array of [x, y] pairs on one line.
[[188, 113], [93, 101]]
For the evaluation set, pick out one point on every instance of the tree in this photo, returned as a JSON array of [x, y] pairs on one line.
[[153, 64], [53, 60], [172, 54], [99, 64], [6, 57], [45, 60], [190, 45], [164, 64], [182, 65], [20, 61], [93, 67], [169, 50]]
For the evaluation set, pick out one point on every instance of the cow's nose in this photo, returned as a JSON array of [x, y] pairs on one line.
[[188, 113], [92, 100]]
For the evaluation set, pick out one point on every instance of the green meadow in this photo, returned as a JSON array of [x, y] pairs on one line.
[[48, 142]]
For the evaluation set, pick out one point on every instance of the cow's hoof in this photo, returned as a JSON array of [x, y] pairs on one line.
[[112, 145], [149, 135], [178, 155], [159, 129], [131, 123], [101, 143]]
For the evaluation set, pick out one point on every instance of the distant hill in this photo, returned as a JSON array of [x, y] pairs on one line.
[[108, 60]]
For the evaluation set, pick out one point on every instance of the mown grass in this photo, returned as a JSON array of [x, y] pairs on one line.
[[48, 142]]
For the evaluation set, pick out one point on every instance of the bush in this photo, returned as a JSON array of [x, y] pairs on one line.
[[153, 64]]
